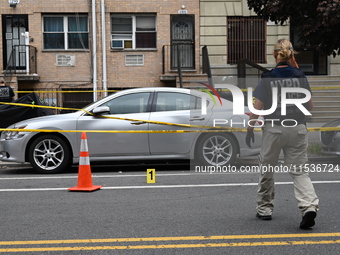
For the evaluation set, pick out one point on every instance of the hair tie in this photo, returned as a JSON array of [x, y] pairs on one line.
[[290, 48]]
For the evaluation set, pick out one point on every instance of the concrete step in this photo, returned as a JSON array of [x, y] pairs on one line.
[[333, 114], [320, 119], [326, 109], [325, 103], [333, 97], [323, 83], [326, 93], [314, 78]]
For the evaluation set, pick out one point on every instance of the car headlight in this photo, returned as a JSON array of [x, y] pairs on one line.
[[14, 134]]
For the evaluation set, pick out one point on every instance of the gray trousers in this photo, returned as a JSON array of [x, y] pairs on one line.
[[293, 141]]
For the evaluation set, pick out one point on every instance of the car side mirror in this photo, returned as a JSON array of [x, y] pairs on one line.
[[101, 110]]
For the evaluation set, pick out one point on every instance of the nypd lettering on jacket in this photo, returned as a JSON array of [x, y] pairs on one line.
[[287, 82], [291, 108]]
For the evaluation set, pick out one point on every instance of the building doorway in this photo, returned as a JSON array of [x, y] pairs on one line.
[[14, 49], [309, 59], [182, 40]]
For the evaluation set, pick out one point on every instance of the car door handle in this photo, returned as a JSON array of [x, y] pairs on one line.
[[196, 118], [137, 122]]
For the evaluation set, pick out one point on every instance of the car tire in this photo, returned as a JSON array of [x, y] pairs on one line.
[[49, 154], [216, 149]]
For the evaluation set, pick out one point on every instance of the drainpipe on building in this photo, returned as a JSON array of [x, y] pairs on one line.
[[104, 49], [27, 42], [94, 50]]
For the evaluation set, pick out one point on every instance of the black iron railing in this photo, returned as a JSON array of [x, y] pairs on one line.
[[247, 69], [178, 54], [23, 59]]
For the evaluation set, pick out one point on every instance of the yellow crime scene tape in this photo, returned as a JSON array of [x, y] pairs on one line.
[[92, 91], [226, 129], [116, 131], [206, 128], [64, 91], [312, 88]]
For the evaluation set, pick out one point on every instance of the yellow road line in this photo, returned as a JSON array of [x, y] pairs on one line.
[[169, 246], [175, 238]]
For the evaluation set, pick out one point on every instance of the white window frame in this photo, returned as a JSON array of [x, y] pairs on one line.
[[65, 30], [138, 60], [134, 28]]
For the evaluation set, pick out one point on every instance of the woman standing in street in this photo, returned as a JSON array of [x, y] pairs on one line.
[[291, 138]]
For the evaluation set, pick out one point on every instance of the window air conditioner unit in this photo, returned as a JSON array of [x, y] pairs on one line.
[[117, 44]]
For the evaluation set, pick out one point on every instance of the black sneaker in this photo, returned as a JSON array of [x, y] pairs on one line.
[[308, 220], [264, 217]]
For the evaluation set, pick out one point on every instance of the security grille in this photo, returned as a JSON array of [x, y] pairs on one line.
[[246, 39]]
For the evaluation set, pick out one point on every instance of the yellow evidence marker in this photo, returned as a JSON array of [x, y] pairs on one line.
[[151, 176]]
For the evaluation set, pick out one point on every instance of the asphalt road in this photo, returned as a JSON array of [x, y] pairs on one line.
[[182, 213]]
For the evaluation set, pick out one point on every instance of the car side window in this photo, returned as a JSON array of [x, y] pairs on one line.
[[170, 101], [132, 103]]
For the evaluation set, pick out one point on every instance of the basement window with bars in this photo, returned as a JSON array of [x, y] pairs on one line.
[[76, 100], [246, 39]]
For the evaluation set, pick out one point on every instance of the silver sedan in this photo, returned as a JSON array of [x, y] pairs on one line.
[[142, 110]]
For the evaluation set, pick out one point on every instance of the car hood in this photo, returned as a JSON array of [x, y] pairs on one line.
[[49, 118]]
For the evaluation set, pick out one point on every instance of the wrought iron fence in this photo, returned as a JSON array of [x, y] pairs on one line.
[[248, 72], [75, 98], [175, 54], [18, 62]]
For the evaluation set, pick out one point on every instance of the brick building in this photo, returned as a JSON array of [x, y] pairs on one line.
[[68, 49], [116, 44]]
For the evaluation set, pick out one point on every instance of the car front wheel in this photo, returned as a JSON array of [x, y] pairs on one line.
[[49, 154], [216, 149]]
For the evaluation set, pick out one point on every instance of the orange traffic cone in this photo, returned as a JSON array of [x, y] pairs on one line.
[[84, 170]]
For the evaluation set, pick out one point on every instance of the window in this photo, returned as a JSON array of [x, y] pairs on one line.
[[169, 101], [65, 32], [246, 39], [134, 60], [133, 103], [133, 31], [76, 100]]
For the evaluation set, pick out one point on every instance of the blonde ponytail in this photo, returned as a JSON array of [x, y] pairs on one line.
[[283, 50]]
